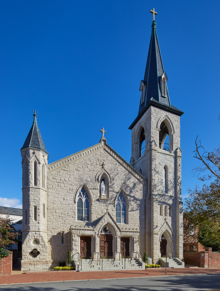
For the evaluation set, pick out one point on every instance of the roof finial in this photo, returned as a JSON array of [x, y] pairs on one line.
[[103, 132], [103, 135], [154, 13], [35, 115]]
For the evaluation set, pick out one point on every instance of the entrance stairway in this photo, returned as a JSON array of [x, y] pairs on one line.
[[86, 265], [172, 263]]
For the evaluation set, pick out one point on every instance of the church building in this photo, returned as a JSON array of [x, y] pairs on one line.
[[108, 212]]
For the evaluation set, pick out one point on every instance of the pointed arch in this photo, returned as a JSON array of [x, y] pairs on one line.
[[168, 123], [141, 138], [86, 187], [104, 178], [35, 173], [83, 205], [43, 176], [121, 208], [98, 176]]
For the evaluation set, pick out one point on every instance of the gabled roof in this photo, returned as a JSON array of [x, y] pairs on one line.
[[34, 139], [10, 211]]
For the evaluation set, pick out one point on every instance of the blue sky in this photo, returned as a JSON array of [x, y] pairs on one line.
[[80, 63]]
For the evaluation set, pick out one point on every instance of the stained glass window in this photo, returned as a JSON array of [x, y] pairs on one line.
[[83, 206], [120, 209]]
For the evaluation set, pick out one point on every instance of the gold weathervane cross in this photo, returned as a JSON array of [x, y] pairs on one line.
[[154, 13]]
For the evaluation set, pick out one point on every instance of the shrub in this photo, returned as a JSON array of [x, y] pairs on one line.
[[145, 258], [4, 253], [69, 258], [63, 268], [152, 266]]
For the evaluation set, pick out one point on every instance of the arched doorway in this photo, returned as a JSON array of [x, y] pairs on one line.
[[106, 243], [163, 246]]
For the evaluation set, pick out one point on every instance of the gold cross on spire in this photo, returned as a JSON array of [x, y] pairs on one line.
[[154, 13]]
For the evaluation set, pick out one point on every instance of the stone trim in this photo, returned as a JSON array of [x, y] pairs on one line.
[[92, 149]]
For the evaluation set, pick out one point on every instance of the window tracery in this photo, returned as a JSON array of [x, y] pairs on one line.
[[121, 209], [83, 206]]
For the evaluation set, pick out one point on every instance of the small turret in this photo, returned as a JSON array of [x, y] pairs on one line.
[[34, 190]]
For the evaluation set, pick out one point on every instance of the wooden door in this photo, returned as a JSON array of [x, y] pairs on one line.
[[85, 246], [125, 246], [105, 245], [163, 245]]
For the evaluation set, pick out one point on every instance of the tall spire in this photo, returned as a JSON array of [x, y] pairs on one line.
[[155, 78], [34, 139], [153, 87]]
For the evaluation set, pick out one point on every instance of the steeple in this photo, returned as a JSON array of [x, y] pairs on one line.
[[153, 87], [34, 139]]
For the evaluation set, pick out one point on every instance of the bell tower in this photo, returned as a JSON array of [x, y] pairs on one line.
[[34, 190], [156, 154]]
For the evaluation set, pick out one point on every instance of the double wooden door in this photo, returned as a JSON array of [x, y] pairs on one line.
[[105, 245], [125, 246], [85, 246]]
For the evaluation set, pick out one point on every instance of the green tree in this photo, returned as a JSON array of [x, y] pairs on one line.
[[203, 205], [7, 233]]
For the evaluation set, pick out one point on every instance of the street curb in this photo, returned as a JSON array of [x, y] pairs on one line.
[[85, 280]]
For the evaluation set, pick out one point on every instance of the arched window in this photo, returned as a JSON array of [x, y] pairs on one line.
[[164, 88], [142, 143], [26, 174], [161, 210], [164, 141], [35, 173], [170, 211], [165, 180], [43, 176], [165, 211], [120, 209], [83, 206]]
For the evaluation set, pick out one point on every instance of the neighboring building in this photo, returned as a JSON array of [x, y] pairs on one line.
[[15, 215], [191, 237], [94, 203]]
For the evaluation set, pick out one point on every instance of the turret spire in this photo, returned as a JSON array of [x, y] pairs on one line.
[[34, 139]]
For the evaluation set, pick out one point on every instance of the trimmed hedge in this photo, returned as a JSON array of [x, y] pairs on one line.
[[4, 253], [63, 268], [152, 266]]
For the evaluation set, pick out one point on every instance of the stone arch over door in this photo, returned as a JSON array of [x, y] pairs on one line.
[[166, 234], [107, 221]]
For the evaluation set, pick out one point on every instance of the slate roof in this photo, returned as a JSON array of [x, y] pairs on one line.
[[153, 73], [10, 211], [34, 138]]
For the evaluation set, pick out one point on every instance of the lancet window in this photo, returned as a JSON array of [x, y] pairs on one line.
[[35, 173], [142, 143], [121, 209], [83, 206], [164, 141], [43, 176], [165, 180]]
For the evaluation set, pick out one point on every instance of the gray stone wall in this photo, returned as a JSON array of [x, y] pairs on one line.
[[68, 176], [152, 164]]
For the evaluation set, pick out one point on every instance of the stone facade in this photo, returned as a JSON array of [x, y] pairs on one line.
[[152, 164], [65, 179]]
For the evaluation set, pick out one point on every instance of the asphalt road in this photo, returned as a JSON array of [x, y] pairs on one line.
[[195, 282]]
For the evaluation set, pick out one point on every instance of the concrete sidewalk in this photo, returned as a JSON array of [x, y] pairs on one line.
[[59, 276]]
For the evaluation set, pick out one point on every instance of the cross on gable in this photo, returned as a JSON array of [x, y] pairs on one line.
[[154, 13], [103, 132]]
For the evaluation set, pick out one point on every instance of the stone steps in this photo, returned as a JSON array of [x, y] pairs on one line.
[[172, 263], [109, 265]]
